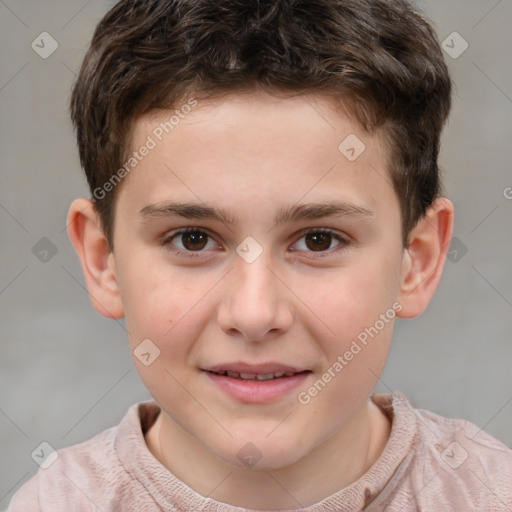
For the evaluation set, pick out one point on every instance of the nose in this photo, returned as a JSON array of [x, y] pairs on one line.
[[255, 303]]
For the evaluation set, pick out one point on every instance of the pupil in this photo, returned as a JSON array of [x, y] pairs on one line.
[[194, 240], [320, 240]]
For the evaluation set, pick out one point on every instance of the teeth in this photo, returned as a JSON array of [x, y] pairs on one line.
[[265, 377], [253, 376]]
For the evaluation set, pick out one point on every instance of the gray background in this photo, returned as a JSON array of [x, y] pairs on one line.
[[66, 372]]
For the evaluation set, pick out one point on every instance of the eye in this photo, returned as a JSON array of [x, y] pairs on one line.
[[320, 240], [192, 240]]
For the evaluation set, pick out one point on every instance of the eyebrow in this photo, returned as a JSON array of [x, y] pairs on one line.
[[307, 211]]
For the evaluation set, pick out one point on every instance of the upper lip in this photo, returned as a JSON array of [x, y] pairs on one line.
[[258, 369]]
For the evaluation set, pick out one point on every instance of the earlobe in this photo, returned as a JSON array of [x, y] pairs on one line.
[[86, 234], [425, 257]]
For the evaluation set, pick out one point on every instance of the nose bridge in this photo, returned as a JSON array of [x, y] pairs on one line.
[[256, 300], [252, 269], [254, 283]]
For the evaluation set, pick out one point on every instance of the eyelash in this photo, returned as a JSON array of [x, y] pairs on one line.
[[198, 254]]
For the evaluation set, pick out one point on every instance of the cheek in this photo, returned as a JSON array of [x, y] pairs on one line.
[[353, 324], [349, 299], [170, 306]]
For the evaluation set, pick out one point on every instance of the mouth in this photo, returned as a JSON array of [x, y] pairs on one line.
[[256, 376], [256, 383]]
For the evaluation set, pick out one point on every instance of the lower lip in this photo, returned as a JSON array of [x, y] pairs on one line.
[[257, 391]]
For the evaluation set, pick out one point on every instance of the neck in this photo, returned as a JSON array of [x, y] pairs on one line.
[[332, 465]]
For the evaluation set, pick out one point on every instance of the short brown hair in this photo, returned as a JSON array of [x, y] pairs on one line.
[[382, 56]]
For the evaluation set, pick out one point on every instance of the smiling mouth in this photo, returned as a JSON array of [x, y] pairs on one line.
[[256, 376], [256, 384]]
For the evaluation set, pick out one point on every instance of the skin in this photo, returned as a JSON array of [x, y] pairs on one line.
[[253, 154]]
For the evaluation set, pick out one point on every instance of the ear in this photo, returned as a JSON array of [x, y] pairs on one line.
[[86, 234], [424, 258]]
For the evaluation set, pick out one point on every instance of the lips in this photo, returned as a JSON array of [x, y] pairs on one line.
[[256, 384]]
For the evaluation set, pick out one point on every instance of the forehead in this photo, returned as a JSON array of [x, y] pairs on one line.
[[260, 148]]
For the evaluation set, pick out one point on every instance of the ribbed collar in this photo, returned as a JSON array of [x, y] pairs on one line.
[[170, 493]]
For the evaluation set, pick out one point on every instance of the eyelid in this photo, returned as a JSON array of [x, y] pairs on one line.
[[330, 231]]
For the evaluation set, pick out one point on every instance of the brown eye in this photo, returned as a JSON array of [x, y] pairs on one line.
[[194, 240], [318, 241], [190, 241], [324, 242]]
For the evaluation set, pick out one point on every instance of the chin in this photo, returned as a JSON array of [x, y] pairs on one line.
[[260, 454]]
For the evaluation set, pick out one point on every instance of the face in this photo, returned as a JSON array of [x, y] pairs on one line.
[[248, 240]]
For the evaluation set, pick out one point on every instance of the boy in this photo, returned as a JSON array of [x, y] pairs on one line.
[[225, 143]]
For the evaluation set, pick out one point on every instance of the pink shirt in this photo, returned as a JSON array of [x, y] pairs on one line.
[[430, 464]]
